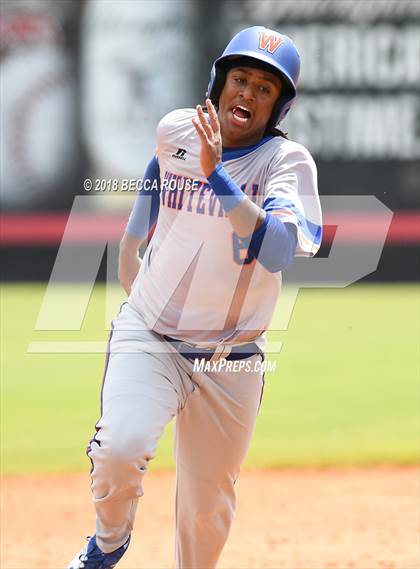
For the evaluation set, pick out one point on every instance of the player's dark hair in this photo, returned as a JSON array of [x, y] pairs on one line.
[[275, 131]]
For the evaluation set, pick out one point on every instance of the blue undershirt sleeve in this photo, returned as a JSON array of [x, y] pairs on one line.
[[273, 244], [146, 207]]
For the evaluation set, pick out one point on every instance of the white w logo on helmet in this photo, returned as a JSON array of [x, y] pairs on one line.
[[270, 42]]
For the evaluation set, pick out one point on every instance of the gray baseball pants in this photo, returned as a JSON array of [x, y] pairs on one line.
[[143, 390]]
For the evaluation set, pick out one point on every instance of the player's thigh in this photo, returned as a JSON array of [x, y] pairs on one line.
[[215, 427], [138, 401], [241, 383], [140, 375]]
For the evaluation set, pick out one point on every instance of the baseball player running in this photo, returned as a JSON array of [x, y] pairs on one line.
[[232, 201]]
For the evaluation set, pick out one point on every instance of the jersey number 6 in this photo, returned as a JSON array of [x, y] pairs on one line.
[[241, 255]]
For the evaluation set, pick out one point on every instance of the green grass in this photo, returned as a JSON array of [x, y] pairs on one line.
[[345, 391]]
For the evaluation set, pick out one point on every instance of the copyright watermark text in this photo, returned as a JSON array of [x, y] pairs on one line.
[[104, 185]]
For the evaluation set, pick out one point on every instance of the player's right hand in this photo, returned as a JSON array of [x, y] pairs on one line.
[[128, 269], [129, 262]]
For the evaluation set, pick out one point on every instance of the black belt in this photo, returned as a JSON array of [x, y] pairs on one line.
[[192, 352]]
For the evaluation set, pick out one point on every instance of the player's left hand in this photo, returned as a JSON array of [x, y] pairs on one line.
[[210, 136]]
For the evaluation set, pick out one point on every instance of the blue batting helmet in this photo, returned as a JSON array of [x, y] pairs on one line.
[[265, 49]]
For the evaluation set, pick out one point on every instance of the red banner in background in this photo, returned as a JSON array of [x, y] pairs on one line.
[[48, 228]]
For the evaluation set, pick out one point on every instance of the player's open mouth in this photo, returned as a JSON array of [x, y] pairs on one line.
[[241, 114]]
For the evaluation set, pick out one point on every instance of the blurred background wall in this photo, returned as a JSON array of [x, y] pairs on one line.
[[84, 83]]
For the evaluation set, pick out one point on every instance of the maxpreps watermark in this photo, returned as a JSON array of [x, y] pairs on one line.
[[348, 260], [236, 366]]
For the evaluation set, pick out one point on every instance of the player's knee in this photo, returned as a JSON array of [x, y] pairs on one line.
[[125, 449]]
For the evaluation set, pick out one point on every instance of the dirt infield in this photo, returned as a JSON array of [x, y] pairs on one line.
[[360, 519]]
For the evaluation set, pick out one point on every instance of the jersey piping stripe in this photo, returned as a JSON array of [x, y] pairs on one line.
[[309, 234], [233, 153]]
